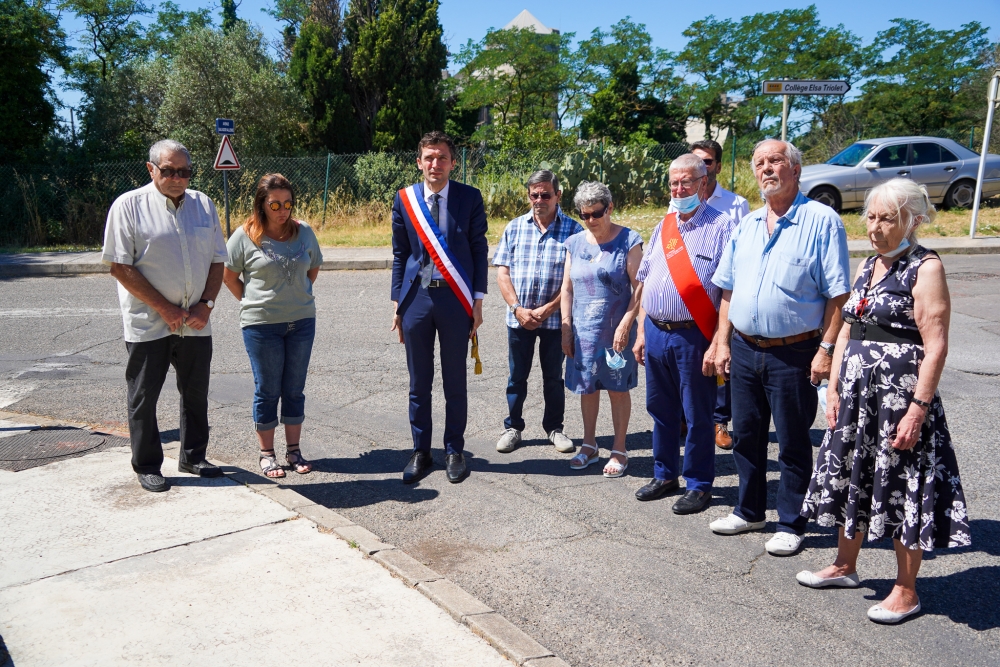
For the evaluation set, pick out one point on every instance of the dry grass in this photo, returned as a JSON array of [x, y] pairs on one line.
[[954, 222]]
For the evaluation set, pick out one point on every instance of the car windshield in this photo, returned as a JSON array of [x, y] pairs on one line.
[[851, 156]]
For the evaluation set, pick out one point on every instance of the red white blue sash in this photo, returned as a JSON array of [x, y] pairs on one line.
[[436, 246]]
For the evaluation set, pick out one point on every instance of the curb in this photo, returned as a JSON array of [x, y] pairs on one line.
[[510, 641]]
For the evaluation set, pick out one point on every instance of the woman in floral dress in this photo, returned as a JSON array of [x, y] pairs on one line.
[[887, 466]]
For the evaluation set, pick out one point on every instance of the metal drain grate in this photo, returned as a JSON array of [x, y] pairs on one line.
[[46, 445]]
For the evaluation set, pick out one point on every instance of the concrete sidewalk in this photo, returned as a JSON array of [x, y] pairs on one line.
[[358, 259], [97, 571]]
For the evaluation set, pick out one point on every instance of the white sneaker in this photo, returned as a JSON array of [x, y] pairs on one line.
[[784, 544], [509, 441], [732, 525], [562, 441]]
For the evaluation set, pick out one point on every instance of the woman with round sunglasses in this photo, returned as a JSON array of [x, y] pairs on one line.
[[600, 303], [273, 262]]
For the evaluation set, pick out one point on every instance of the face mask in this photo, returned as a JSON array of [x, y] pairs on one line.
[[615, 360], [686, 204], [903, 245]]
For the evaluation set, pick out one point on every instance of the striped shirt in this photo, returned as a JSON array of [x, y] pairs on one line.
[[536, 261], [705, 236]]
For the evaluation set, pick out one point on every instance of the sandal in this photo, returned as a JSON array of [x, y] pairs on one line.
[[296, 460], [269, 464], [614, 468], [581, 460]]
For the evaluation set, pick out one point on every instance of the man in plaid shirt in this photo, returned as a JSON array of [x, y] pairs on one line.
[[530, 260]]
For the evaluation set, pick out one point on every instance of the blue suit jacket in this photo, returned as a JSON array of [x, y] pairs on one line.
[[466, 238]]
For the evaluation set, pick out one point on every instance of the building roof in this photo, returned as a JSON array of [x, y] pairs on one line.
[[527, 20]]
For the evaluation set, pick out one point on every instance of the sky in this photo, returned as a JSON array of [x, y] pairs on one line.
[[665, 21]]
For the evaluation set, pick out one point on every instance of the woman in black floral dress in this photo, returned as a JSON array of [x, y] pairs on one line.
[[886, 466]]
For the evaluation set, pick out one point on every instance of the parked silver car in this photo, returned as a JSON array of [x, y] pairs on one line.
[[946, 168]]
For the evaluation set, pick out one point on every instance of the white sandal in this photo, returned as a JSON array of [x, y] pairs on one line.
[[617, 469], [581, 460]]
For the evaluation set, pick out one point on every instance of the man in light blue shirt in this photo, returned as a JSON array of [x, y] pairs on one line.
[[785, 276]]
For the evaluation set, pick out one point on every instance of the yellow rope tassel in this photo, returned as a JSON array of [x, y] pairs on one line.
[[719, 380], [475, 354]]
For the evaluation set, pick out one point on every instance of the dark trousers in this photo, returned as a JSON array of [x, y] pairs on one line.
[[520, 354], [191, 357], [436, 312], [766, 382], [673, 380], [723, 403]]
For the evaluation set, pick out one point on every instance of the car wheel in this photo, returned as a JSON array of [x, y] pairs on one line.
[[960, 195], [824, 194]]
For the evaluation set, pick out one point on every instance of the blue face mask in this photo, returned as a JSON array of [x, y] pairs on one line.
[[903, 245], [686, 204], [615, 360]]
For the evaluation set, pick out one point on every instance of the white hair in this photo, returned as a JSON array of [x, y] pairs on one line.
[[908, 199], [157, 150], [590, 193], [793, 154], [689, 162]]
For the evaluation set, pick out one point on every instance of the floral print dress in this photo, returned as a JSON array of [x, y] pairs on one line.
[[860, 481]]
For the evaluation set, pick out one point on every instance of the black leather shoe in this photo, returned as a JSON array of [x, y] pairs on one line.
[[455, 466], [202, 469], [657, 488], [692, 501], [153, 481], [419, 465]]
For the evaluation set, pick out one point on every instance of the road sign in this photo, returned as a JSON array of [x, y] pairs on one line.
[[790, 87], [225, 126], [226, 159]]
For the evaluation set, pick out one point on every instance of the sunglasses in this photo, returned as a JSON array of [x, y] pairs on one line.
[[544, 196], [708, 161], [167, 172], [596, 215], [276, 205]]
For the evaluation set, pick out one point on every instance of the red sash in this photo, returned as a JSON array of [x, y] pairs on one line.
[[685, 279]]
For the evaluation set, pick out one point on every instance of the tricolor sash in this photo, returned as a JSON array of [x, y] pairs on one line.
[[686, 279], [436, 246]]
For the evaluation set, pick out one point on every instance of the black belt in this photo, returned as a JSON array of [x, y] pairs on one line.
[[438, 283], [880, 334], [664, 325]]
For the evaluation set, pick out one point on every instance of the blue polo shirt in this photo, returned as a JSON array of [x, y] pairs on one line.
[[781, 282]]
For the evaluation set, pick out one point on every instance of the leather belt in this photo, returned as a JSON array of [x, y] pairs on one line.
[[436, 282], [880, 334], [760, 341], [664, 325]]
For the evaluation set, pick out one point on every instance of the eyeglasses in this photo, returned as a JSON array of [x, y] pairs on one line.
[[276, 205], [167, 172], [544, 196], [708, 161], [685, 184], [596, 215]]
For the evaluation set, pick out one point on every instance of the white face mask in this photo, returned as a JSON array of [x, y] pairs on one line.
[[686, 205], [903, 245], [615, 360]]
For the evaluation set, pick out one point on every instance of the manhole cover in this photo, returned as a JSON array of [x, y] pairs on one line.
[[48, 443]]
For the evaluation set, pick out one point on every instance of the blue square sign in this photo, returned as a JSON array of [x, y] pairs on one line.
[[225, 126]]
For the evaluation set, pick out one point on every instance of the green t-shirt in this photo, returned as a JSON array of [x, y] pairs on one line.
[[276, 287]]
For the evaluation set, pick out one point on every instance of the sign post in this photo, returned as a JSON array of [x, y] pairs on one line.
[[992, 100], [788, 87], [226, 160]]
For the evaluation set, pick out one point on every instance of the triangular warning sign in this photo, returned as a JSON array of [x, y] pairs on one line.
[[226, 159]]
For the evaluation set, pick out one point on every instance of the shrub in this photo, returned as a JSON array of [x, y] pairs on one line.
[[381, 175]]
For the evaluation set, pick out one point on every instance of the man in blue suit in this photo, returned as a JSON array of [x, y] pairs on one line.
[[427, 302]]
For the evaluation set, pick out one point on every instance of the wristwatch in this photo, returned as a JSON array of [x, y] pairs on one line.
[[208, 302], [827, 347], [513, 309]]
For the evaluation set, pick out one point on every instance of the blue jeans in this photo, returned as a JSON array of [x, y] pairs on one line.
[[521, 352], [279, 356], [764, 382]]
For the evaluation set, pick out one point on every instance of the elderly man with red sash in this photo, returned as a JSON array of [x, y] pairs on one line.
[[677, 327], [439, 274]]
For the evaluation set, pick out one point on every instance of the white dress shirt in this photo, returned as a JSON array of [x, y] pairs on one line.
[[723, 200], [444, 222]]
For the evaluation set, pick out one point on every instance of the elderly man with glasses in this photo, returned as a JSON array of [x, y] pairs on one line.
[[530, 260], [677, 325], [736, 207], [785, 276], [166, 250]]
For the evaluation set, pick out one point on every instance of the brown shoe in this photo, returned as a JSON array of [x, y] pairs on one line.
[[722, 438]]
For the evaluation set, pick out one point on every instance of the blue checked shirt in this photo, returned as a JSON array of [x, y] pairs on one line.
[[536, 261], [705, 236]]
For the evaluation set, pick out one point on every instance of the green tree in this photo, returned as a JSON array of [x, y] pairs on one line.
[[230, 21], [319, 70], [292, 13], [31, 44], [395, 58], [172, 22], [113, 35]]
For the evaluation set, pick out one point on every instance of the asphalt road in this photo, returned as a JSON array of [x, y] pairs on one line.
[[570, 557]]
